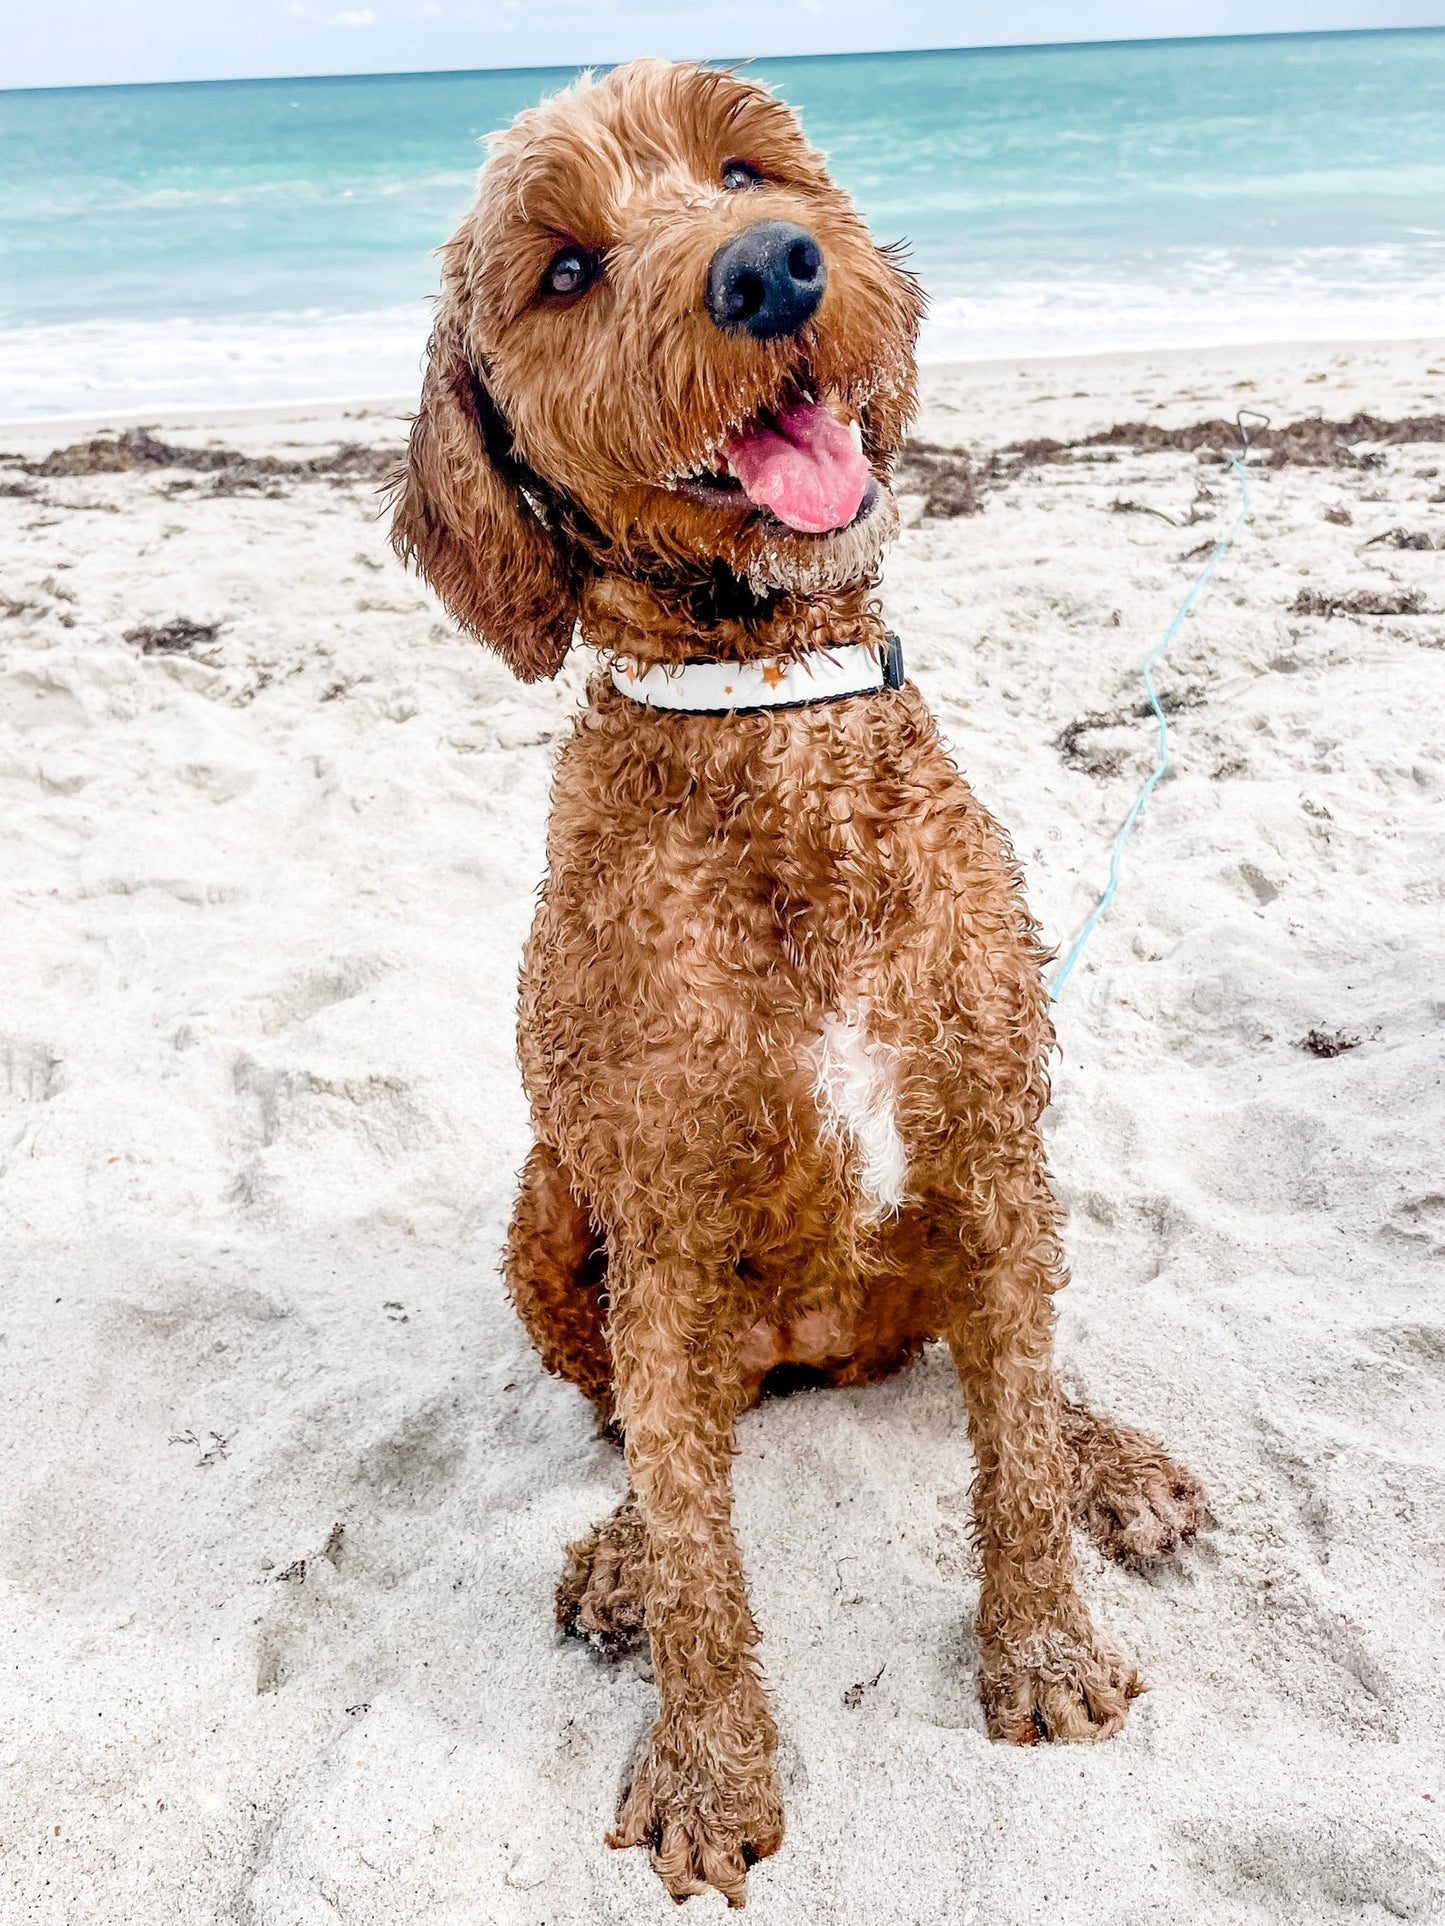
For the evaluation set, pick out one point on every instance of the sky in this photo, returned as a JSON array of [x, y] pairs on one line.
[[58, 43]]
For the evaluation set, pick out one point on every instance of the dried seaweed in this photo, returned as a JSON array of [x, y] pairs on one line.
[[953, 481], [1311, 443], [1417, 538], [948, 479], [1197, 511], [138, 448], [1126, 505], [1071, 741], [956, 481], [176, 637], [1328, 1043], [1311, 601]]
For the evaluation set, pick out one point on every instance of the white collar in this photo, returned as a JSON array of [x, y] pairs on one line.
[[718, 688]]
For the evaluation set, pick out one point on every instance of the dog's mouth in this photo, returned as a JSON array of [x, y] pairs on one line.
[[798, 464]]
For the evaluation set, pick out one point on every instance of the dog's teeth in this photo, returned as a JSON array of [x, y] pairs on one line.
[[855, 434]]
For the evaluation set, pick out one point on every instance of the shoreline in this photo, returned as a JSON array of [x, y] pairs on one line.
[[1270, 359], [1274, 370]]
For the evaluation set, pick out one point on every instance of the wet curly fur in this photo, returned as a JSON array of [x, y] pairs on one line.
[[728, 900]]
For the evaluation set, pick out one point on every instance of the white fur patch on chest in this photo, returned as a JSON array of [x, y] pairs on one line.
[[857, 1099]]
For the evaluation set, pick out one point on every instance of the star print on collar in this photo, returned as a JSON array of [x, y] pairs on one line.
[[773, 676]]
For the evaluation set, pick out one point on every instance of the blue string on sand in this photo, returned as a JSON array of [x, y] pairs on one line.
[[1163, 763]]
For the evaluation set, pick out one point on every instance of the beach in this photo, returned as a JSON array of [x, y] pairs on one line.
[[286, 1489]]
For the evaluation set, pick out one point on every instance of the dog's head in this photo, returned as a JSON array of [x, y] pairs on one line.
[[667, 347]]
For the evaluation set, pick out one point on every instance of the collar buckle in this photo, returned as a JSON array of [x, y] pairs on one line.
[[892, 652]]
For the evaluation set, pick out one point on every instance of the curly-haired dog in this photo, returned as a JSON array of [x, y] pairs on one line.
[[782, 1027]]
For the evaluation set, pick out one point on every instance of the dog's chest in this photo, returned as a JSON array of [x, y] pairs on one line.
[[856, 1091], [814, 879], [770, 942]]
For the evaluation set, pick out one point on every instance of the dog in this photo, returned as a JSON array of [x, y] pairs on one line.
[[782, 1025]]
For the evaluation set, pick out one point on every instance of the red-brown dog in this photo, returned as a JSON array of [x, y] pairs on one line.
[[782, 1025]]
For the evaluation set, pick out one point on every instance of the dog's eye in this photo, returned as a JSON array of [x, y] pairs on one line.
[[739, 173], [572, 272]]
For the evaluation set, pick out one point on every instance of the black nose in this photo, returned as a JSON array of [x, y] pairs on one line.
[[767, 281]]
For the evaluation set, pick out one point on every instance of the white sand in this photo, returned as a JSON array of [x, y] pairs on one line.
[[258, 1128]]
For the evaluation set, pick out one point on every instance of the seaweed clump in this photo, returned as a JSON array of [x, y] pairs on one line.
[[948, 479], [176, 637], [138, 449], [1311, 601]]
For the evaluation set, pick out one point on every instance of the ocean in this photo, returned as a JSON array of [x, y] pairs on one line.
[[267, 241]]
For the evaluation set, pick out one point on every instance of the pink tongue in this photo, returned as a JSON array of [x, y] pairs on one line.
[[804, 468]]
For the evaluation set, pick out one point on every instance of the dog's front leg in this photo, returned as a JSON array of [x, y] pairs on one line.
[[704, 1795], [1044, 1672]]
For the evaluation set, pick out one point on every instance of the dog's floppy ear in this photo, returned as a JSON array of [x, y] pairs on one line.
[[460, 515]]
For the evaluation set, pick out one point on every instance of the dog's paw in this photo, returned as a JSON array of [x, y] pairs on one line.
[[600, 1597], [1143, 1507], [706, 1807], [1061, 1683]]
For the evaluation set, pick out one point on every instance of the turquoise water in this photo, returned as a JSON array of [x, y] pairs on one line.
[[270, 240]]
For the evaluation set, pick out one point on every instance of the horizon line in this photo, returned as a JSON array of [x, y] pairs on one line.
[[745, 60]]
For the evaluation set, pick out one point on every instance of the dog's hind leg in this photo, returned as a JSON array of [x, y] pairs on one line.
[[601, 1596], [1136, 1503], [555, 1267], [556, 1271]]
